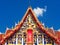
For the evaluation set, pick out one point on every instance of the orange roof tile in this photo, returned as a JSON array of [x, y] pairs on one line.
[[57, 33], [8, 31], [51, 31], [1, 36]]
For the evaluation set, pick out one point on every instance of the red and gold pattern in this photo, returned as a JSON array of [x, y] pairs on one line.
[[29, 36]]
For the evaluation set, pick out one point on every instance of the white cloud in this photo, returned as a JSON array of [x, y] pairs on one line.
[[39, 11]]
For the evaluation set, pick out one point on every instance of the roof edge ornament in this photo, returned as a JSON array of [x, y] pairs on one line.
[[15, 24], [1, 33], [29, 3], [7, 28]]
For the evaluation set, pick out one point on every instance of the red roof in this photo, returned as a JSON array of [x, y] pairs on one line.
[[8, 31], [11, 32], [1, 36], [57, 33]]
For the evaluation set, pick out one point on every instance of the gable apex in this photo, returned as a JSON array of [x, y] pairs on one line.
[[30, 11]]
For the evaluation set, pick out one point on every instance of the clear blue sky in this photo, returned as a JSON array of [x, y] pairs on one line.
[[12, 11]]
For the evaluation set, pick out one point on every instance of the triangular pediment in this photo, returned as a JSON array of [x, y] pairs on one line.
[[30, 14], [30, 20]]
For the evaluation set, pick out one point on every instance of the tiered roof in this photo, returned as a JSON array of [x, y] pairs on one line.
[[51, 33]]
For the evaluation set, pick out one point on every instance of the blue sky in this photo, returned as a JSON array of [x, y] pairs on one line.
[[12, 11]]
